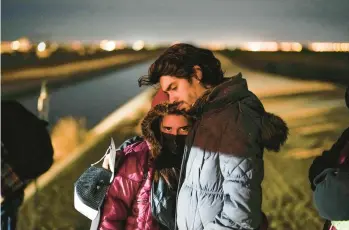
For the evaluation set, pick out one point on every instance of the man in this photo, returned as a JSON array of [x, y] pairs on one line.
[[220, 183], [329, 179]]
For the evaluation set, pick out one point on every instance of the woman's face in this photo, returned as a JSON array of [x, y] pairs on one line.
[[175, 125]]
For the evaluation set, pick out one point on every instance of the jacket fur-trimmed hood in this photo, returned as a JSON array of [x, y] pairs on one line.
[[274, 130], [151, 125]]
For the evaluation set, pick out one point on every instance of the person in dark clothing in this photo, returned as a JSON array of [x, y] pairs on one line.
[[329, 179], [26, 153]]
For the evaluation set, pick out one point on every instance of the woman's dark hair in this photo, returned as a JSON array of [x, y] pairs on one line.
[[179, 60]]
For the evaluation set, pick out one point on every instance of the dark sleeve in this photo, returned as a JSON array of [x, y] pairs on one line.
[[328, 159], [130, 141]]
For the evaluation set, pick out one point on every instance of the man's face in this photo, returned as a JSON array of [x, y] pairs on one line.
[[181, 90]]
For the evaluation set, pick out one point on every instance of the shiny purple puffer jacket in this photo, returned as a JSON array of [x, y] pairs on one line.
[[127, 203]]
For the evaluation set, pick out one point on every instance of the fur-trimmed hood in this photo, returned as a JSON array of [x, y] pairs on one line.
[[274, 130], [151, 125]]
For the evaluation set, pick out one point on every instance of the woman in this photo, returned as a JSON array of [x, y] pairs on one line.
[[143, 193]]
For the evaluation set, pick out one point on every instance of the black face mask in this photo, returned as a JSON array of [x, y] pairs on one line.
[[173, 144], [171, 152]]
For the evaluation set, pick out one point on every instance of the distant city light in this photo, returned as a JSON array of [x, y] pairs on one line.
[[296, 46], [6, 47], [24, 44], [15, 45], [138, 45], [344, 47], [41, 46], [215, 46], [260, 46], [254, 46], [54, 46], [329, 47], [151, 46], [108, 45], [76, 45], [120, 45], [286, 46]]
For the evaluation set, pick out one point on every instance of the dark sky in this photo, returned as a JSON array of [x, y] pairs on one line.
[[176, 20]]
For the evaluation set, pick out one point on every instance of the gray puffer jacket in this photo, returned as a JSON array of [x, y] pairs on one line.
[[222, 170]]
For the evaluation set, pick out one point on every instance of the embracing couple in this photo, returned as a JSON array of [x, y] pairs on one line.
[[199, 162]]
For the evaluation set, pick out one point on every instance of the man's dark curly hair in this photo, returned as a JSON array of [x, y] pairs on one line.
[[179, 60]]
